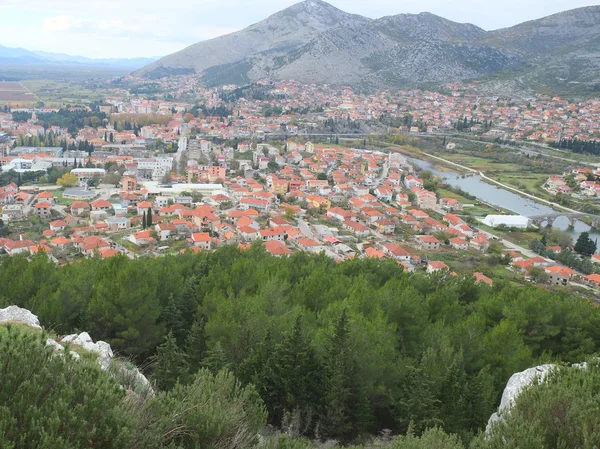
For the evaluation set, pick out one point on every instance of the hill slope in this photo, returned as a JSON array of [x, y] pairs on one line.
[[314, 42], [277, 35]]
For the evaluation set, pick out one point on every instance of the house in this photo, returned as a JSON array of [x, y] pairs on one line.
[[79, 208], [248, 233], [480, 242], [165, 230], [310, 245], [412, 181], [450, 204], [482, 278], [426, 199], [118, 223], [46, 197], [396, 251], [143, 206], [435, 266], [384, 193], [427, 242], [337, 213], [92, 243], [13, 247], [202, 240], [57, 225], [459, 243], [374, 253], [141, 238], [356, 228], [101, 205], [42, 210], [272, 234], [595, 258], [593, 280], [559, 275], [372, 215], [276, 248], [385, 226]]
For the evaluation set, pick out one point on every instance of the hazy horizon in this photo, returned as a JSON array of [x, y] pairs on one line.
[[149, 28]]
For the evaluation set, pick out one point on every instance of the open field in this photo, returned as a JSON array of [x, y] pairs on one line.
[[58, 93], [15, 92]]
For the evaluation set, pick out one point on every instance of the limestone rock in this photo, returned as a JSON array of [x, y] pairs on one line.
[[103, 349], [57, 346], [74, 355], [515, 385], [19, 315]]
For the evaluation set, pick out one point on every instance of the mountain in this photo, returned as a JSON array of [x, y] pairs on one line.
[[20, 56], [228, 57], [313, 41]]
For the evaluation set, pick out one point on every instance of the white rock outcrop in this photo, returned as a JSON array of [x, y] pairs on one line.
[[515, 385], [18, 315], [103, 350]]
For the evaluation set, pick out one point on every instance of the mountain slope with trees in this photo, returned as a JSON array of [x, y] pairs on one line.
[[338, 351]]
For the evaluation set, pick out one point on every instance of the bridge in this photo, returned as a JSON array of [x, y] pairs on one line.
[[594, 220]]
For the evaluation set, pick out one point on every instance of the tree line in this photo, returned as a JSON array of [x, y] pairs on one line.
[[335, 351]]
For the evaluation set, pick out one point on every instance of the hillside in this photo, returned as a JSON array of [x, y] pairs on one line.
[[264, 41], [357, 352], [314, 42]]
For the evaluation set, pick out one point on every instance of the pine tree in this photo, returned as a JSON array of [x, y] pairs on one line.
[[215, 359], [174, 321], [195, 345], [343, 402], [149, 218], [170, 364], [144, 220]]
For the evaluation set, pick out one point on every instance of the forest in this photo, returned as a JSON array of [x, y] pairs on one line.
[[335, 351]]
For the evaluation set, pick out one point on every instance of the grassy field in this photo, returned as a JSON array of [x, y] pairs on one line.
[[56, 93]]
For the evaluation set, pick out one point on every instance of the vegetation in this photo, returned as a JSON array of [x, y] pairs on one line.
[[51, 401], [336, 351]]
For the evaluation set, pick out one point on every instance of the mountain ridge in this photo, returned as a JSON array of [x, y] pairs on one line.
[[10, 55], [313, 41]]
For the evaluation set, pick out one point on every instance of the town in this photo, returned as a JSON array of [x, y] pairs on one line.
[[343, 202]]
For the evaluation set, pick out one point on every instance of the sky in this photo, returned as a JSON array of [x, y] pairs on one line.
[[145, 28]]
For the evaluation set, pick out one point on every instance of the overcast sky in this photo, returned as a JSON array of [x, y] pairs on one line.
[[130, 28]]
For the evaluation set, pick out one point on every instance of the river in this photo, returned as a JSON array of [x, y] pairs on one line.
[[503, 198]]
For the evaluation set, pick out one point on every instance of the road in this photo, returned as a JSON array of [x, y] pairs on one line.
[[305, 229], [509, 245]]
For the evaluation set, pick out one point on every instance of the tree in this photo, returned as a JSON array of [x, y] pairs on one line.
[[61, 402], [170, 364], [149, 218], [68, 180], [195, 345], [585, 245], [343, 400], [144, 223], [322, 176], [539, 275]]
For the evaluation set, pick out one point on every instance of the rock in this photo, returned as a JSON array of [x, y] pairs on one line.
[[515, 386], [19, 315], [68, 338], [105, 354], [103, 349], [57, 346], [83, 339], [74, 355]]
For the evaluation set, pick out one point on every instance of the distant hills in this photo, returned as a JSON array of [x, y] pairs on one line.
[[20, 56], [313, 41]]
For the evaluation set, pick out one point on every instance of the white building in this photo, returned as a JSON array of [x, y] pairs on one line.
[[513, 221], [85, 174]]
